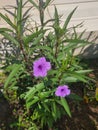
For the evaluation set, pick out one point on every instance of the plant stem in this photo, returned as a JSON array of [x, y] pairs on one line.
[[56, 49], [41, 11], [23, 51], [24, 54]]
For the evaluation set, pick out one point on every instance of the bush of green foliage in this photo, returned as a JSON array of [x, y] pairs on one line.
[[41, 74]]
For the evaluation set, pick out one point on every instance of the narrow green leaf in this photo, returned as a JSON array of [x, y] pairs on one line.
[[33, 90], [54, 110], [37, 40], [83, 71], [75, 97], [44, 94], [26, 12], [34, 4], [10, 12], [81, 34], [12, 74], [31, 102], [56, 16], [46, 107], [13, 84], [70, 79], [6, 19], [75, 43], [47, 3], [66, 106], [5, 29], [80, 77], [45, 50], [10, 38], [25, 3], [68, 19], [30, 38]]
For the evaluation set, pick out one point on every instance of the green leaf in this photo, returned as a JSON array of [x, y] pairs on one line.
[[7, 19], [83, 71], [25, 14], [25, 3], [10, 12], [75, 43], [54, 110], [12, 74], [47, 3], [34, 94], [13, 84], [10, 38], [30, 94], [68, 19], [81, 34], [56, 16], [37, 40], [34, 4], [44, 94], [46, 48], [5, 29], [80, 77], [70, 79], [75, 97], [31, 37], [31, 102], [46, 107], [66, 106]]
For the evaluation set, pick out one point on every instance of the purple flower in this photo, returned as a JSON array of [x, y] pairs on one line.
[[62, 91], [40, 67]]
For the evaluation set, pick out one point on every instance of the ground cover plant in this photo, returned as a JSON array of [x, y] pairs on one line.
[[43, 71]]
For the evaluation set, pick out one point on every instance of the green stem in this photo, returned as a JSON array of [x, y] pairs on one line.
[[23, 51], [41, 11], [56, 49], [24, 55]]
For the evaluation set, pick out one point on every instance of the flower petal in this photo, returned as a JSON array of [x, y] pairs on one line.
[[40, 67]]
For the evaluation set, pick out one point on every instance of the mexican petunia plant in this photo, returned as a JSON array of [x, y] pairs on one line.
[[40, 77]]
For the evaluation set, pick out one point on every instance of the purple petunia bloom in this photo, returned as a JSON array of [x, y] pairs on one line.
[[62, 91], [40, 67]]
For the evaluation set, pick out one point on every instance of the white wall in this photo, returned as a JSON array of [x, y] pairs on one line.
[[86, 12]]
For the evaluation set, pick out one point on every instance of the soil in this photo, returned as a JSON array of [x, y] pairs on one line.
[[85, 117], [84, 113]]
